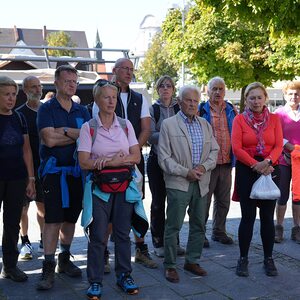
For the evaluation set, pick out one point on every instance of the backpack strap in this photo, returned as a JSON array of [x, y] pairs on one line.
[[123, 125], [20, 118], [156, 110], [93, 129]]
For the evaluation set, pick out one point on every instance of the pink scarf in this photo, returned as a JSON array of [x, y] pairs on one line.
[[258, 122]]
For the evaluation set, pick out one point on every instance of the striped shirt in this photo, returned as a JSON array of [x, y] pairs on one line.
[[195, 132]]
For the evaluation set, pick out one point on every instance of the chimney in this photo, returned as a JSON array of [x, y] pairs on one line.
[[44, 33], [16, 34]]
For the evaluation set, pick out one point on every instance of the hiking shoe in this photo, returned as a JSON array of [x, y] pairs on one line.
[[180, 250], [223, 239], [47, 277], [159, 252], [64, 265], [269, 267], [94, 291], [107, 268], [14, 274], [278, 234], [127, 284], [143, 257], [206, 243], [26, 251], [295, 235], [242, 267], [41, 247]]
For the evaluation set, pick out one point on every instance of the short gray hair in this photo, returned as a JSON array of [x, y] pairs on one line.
[[186, 88], [7, 81], [214, 80]]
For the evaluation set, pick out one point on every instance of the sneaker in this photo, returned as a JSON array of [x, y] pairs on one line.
[[278, 234], [47, 277], [107, 268], [242, 267], [223, 239], [159, 252], [94, 291], [180, 250], [26, 251], [143, 257], [295, 235], [64, 265], [127, 284], [206, 243], [14, 274], [41, 247], [269, 267]]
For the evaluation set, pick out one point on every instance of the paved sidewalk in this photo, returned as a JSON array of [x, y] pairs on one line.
[[219, 261]]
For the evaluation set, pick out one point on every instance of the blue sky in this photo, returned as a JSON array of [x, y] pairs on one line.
[[117, 20]]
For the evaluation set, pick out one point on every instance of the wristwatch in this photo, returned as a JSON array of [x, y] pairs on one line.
[[66, 131]]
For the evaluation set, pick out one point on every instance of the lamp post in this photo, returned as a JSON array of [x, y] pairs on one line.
[[182, 23]]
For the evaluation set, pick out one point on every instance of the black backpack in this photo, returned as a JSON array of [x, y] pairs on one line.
[[156, 110]]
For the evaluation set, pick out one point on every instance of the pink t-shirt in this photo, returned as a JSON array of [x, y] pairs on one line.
[[107, 142]]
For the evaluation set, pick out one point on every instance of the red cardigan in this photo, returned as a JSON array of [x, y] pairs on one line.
[[244, 140]]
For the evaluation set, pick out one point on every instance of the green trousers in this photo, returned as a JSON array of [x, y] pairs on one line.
[[178, 202]]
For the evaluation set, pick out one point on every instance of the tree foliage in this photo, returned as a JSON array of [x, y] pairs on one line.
[[60, 39], [281, 15], [157, 62]]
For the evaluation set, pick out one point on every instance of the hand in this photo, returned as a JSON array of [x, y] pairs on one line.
[[30, 189], [193, 175], [100, 162], [261, 167], [268, 171], [201, 169]]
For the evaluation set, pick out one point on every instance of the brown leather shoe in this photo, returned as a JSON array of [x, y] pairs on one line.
[[195, 269], [172, 275]]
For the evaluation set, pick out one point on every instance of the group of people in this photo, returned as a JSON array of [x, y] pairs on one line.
[[193, 150]]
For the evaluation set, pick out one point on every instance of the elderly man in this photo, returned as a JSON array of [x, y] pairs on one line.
[[220, 115], [187, 152]]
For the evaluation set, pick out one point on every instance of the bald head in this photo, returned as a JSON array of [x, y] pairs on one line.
[[32, 88]]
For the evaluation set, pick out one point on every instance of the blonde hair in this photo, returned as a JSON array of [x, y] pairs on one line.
[[255, 85], [7, 81]]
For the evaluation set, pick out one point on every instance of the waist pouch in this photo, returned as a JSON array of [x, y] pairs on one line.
[[112, 180]]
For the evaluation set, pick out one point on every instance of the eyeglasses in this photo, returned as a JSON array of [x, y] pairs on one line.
[[127, 69], [165, 86], [70, 81]]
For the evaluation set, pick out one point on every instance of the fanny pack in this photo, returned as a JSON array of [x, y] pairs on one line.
[[112, 180]]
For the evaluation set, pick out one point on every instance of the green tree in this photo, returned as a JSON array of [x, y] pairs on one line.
[[281, 15], [213, 42], [157, 62], [60, 39]]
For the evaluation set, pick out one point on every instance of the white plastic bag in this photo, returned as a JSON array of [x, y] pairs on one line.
[[264, 188]]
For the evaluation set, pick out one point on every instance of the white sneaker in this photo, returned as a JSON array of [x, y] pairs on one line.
[[159, 252], [26, 251]]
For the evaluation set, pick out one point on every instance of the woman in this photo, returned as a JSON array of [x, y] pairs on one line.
[[111, 148], [16, 175], [290, 120], [257, 144], [166, 106]]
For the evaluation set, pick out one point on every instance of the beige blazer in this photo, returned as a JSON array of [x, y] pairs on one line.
[[175, 153]]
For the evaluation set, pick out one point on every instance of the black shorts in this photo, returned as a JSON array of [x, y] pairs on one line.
[[54, 212], [39, 193]]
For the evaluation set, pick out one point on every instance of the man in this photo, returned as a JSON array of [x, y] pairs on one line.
[[134, 107], [59, 121], [220, 115], [187, 152], [33, 89]]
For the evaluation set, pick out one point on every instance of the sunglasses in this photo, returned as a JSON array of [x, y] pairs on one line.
[[104, 82]]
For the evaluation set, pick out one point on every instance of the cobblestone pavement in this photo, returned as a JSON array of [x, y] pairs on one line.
[[219, 261]]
